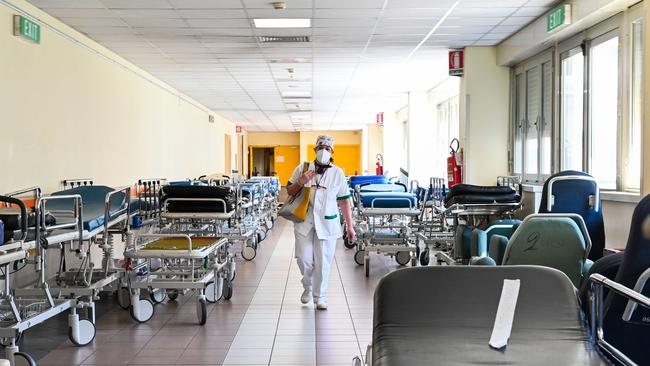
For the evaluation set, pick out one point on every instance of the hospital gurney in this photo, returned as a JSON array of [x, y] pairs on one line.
[[86, 215], [382, 225], [19, 314], [185, 264], [414, 327]]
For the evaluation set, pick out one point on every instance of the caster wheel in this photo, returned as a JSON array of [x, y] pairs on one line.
[[269, 224], [347, 243], [86, 333], [202, 310], [248, 253], [23, 359], [157, 296], [6, 341], [172, 295], [359, 256], [123, 297], [227, 290], [214, 290], [260, 236], [402, 258], [145, 313], [233, 274], [424, 258]]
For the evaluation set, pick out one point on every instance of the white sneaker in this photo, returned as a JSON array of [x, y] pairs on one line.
[[305, 297], [321, 304]]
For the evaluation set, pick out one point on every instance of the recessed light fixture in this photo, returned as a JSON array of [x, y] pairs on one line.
[[282, 22]]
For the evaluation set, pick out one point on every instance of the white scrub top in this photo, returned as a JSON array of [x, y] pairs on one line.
[[323, 211]]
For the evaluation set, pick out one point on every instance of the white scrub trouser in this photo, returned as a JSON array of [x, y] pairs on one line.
[[314, 257]]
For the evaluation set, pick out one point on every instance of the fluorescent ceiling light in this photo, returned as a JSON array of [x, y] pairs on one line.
[[282, 23]]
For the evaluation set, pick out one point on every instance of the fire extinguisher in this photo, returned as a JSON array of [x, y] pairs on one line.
[[454, 164], [379, 169]]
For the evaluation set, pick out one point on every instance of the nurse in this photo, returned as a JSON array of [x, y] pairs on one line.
[[316, 236]]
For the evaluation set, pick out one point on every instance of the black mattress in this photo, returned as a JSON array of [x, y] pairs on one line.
[[451, 323], [197, 193], [11, 222], [468, 194]]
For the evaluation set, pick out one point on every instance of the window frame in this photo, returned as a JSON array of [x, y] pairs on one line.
[[621, 26]]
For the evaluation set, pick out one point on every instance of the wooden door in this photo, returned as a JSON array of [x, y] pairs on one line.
[[227, 154]]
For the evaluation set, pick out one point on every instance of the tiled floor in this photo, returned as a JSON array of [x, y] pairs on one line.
[[263, 324]]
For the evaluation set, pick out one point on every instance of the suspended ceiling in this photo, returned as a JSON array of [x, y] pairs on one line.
[[362, 56]]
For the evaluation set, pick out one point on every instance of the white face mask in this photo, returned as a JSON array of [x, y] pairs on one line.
[[323, 156]]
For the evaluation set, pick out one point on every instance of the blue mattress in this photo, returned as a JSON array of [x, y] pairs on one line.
[[387, 199], [92, 198], [382, 188], [356, 180]]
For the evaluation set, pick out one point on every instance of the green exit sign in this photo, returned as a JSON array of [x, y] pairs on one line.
[[558, 17], [27, 29]]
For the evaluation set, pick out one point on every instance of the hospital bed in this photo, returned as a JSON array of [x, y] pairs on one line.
[[146, 206], [184, 263], [383, 213]]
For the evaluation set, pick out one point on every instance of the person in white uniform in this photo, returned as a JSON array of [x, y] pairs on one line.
[[316, 236]]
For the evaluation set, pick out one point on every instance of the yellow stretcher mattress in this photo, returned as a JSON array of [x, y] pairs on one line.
[[180, 243]]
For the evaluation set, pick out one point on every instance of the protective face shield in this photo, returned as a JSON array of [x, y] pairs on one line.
[[323, 156]]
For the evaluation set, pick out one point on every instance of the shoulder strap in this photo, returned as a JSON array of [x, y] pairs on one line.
[[305, 166]]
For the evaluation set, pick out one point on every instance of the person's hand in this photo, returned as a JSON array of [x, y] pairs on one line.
[[306, 177], [352, 235]]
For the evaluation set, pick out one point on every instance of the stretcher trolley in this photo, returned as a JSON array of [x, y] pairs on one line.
[[468, 207], [177, 264], [433, 229], [17, 314], [85, 217], [383, 223]]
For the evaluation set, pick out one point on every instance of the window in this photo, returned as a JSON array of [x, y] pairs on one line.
[[603, 112], [533, 116], [572, 67], [447, 129], [599, 106], [632, 176]]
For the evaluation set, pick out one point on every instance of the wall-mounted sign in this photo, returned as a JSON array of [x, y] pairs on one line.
[[380, 119], [27, 29], [456, 62], [238, 129], [558, 17], [211, 118]]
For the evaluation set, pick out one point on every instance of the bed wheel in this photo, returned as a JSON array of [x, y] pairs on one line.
[[227, 290], [202, 310], [144, 311], [402, 258], [359, 256], [261, 235], [347, 243], [172, 295], [248, 253], [157, 295], [85, 335], [123, 297], [23, 359], [424, 258], [214, 290]]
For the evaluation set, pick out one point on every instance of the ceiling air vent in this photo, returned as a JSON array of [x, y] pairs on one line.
[[283, 39]]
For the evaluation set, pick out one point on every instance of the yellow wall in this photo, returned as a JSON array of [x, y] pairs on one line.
[[68, 112], [340, 137], [273, 138]]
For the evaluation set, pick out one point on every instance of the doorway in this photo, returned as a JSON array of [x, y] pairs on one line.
[[346, 157], [227, 154], [262, 161]]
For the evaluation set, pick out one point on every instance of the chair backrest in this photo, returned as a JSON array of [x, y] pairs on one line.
[[555, 242], [577, 192], [633, 337]]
